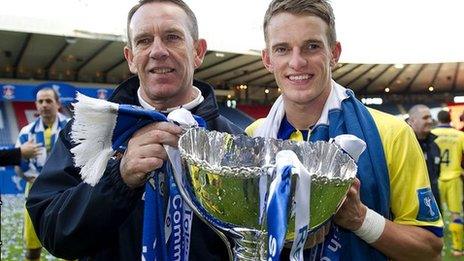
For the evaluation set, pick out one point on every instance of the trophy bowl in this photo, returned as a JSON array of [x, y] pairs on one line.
[[224, 176]]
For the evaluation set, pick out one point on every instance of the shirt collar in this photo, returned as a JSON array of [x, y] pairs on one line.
[[334, 101], [286, 130], [190, 105]]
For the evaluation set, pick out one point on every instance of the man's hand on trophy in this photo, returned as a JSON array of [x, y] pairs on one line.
[[352, 212], [145, 152]]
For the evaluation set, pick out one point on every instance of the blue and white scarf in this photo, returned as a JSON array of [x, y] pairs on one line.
[[35, 131], [344, 114], [166, 231], [167, 219]]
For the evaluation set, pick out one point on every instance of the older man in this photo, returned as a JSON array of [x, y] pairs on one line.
[[421, 122], [390, 212], [104, 222]]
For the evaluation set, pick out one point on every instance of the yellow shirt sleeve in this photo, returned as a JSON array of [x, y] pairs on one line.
[[250, 130], [406, 167]]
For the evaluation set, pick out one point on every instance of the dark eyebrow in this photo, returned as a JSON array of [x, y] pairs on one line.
[[174, 30], [313, 41], [141, 35], [284, 44]]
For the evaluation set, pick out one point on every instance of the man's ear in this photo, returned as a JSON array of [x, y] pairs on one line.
[[267, 60], [336, 52], [129, 58], [200, 51]]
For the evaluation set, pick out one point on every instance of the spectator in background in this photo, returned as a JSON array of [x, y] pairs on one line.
[[13, 156], [421, 122], [44, 130], [451, 143], [461, 119]]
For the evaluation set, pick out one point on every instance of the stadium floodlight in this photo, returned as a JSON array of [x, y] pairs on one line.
[[372, 101], [458, 99], [70, 39]]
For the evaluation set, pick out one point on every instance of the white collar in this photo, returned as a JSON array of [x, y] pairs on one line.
[[190, 105], [334, 101], [272, 122]]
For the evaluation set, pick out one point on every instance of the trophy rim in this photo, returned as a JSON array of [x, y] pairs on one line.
[[257, 171]]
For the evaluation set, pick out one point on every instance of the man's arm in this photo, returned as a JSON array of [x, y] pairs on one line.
[[71, 218], [10, 156], [402, 242], [398, 242]]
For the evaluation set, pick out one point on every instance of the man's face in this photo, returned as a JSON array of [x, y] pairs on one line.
[[163, 53], [46, 104], [300, 57], [421, 122]]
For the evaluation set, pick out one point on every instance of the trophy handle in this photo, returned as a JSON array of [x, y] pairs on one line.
[[174, 157]]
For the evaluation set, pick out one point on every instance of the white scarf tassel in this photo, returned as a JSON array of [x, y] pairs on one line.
[[94, 122]]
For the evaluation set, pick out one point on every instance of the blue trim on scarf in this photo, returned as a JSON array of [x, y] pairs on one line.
[[354, 118], [277, 215], [127, 124], [165, 236]]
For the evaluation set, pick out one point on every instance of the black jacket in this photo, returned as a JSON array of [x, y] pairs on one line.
[[104, 222], [432, 158], [10, 156]]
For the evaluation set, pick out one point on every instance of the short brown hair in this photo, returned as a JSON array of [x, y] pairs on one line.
[[179, 3], [319, 8]]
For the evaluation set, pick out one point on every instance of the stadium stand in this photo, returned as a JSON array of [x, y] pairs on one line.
[[5, 134], [255, 111], [240, 118], [9, 182], [22, 109], [388, 108]]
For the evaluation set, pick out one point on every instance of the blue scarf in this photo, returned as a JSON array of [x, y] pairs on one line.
[[354, 118], [167, 218]]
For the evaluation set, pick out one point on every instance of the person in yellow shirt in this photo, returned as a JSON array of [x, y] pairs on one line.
[[389, 211], [44, 131], [451, 143]]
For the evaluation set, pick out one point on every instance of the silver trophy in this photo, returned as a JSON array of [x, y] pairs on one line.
[[226, 178]]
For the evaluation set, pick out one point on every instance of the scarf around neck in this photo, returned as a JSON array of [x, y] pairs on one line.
[[344, 114]]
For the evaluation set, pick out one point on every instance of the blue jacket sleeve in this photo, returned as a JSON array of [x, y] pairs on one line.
[[71, 218]]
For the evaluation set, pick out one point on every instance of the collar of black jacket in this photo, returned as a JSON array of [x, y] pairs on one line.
[[126, 93]]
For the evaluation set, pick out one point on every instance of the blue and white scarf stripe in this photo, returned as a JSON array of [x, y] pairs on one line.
[[131, 118], [35, 131], [277, 212], [166, 231], [288, 164]]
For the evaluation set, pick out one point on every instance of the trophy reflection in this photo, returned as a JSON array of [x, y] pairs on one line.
[[226, 180]]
